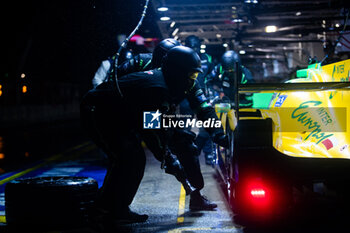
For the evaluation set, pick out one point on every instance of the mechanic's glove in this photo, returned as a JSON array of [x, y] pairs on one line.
[[222, 140]]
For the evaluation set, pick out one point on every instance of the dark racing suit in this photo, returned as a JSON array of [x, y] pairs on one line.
[[116, 125], [183, 143]]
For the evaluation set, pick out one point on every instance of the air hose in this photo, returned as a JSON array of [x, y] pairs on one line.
[[124, 44]]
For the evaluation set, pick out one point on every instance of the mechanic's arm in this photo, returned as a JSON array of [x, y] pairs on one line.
[[129, 66], [199, 104]]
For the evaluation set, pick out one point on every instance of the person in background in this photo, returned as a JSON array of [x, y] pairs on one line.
[[222, 77], [140, 62]]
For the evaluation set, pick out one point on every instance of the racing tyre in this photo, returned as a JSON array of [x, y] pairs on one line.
[[49, 202]]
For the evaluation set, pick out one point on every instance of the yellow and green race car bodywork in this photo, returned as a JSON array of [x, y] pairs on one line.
[[295, 134], [312, 123]]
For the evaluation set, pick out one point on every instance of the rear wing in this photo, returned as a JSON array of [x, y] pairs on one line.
[[273, 87], [315, 78]]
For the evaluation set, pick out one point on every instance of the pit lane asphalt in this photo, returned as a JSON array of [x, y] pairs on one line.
[[162, 198], [160, 195]]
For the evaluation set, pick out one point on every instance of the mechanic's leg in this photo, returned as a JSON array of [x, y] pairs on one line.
[[205, 144], [191, 165], [208, 151], [123, 179], [200, 141]]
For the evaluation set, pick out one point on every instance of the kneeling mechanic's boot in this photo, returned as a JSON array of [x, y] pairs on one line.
[[199, 202]]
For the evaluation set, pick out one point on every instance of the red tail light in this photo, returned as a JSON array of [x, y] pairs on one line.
[[258, 193]]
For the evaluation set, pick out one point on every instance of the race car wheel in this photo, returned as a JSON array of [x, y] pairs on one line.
[[49, 202]]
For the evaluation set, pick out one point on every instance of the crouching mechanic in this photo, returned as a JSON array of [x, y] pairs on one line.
[[113, 120], [182, 141]]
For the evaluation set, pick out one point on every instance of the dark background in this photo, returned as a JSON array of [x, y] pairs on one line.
[[60, 44]]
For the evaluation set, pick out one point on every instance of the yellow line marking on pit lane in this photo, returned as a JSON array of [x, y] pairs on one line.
[[182, 202]]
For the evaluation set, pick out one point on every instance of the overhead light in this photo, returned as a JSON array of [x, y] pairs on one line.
[[203, 46], [176, 37], [175, 31], [225, 45], [337, 25], [270, 29], [163, 8], [298, 13], [251, 1], [172, 24], [202, 50], [241, 51], [164, 18], [238, 20], [250, 46], [218, 35], [23, 75]]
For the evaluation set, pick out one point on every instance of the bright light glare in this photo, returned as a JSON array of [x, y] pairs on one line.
[[270, 29], [24, 89], [203, 46], [258, 193], [165, 18], [163, 8], [225, 45], [241, 51], [202, 51], [175, 31]]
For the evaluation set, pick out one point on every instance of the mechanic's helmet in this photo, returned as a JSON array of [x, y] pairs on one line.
[[180, 67], [161, 49], [193, 42], [228, 60]]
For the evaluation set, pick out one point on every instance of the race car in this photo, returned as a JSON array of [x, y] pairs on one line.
[[294, 140]]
